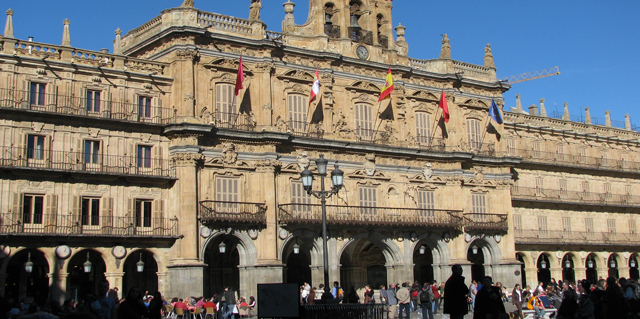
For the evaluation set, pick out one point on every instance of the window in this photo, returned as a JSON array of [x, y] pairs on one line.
[[93, 101], [537, 148], [32, 209], [562, 185], [90, 211], [423, 128], [36, 93], [588, 225], [560, 153], [297, 112], [143, 213], [539, 184], [426, 203], [227, 194], [585, 186], [474, 134], [632, 226], [35, 147], [364, 121], [144, 106], [300, 196], [606, 189], [517, 222], [566, 224], [226, 111], [368, 198], [92, 152], [542, 224], [479, 203], [582, 155], [511, 147], [144, 156], [611, 226]]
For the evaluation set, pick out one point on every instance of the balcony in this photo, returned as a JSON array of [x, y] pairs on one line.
[[370, 216], [332, 31], [78, 225], [304, 129], [573, 197], [360, 36], [574, 160], [537, 237], [84, 107], [485, 222], [234, 121], [483, 149], [80, 162], [383, 40], [221, 213]]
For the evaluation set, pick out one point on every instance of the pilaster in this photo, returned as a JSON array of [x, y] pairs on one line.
[[115, 280], [266, 170], [185, 251], [184, 89]]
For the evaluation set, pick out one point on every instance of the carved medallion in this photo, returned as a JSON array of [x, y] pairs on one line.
[[303, 160], [229, 154], [370, 164], [427, 171]]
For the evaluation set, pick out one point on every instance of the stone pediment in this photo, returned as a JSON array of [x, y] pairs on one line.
[[293, 167], [297, 75], [475, 103], [227, 65], [421, 95], [221, 162], [364, 86], [362, 173]]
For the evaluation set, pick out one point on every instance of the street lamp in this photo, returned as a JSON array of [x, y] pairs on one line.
[[632, 263], [590, 263], [296, 248], [28, 266], [567, 264], [222, 247], [140, 264], [422, 250], [612, 263], [474, 249], [543, 264], [87, 265], [307, 182]]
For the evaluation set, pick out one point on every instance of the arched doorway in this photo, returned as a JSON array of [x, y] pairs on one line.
[[591, 266], [633, 268], [523, 274], [298, 269], [612, 263], [147, 279], [475, 256], [20, 283], [544, 273], [86, 268], [422, 263], [363, 263], [222, 259], [568, 272]]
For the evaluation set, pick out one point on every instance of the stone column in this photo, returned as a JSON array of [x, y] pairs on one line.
[[58, 286], [556, 272], [186, 269], [116, 280], [580, 273], [532, 276], [163, 281], [183, 96]]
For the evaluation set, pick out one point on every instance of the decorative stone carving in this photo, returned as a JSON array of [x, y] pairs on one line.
[[254, 11], [445, 51], [303, 160], [341, 127], [188, 55], [187, 159], [370, 164], [427, 171], [187, 4], [488, 57], [229, 154]]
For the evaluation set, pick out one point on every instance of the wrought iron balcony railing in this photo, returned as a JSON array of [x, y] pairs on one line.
[[361, 36], [85, 107], [485, 149], [234, 121], [383, 40], [213, 211], [485, 222], [93, 163], [573, 197], [538, 236], [575, 160], [332, 31], [372, 216], [299, 128], [79, 225]]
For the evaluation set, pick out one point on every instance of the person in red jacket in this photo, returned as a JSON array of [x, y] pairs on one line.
[[436, 302]]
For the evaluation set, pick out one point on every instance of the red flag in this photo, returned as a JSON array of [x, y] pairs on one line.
[[239, 78], [315, 88], [388, 87], [444, 107]]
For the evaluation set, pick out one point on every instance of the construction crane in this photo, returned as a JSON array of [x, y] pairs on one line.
[[531, 76]]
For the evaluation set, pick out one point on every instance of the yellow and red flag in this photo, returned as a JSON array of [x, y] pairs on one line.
[[388, 87]]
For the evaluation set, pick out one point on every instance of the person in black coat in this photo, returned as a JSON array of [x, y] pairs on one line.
[[455, 294], [155, 306], [488, 300], [133, 307], [569, 304]]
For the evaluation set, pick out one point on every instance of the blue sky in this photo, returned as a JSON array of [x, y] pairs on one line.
[[596, 44]]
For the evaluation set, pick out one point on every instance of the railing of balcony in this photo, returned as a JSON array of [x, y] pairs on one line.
[[235, 121], [299, 128], [85, 107], [233, 212], [277, 37], [377, 216], [477, 221], [383, 40], [361, 36], [78, 225], [538, 236], [225, 23], [566, 196], [97, 163], [332, 31], [574, 159], [484, 149], [431, 143]]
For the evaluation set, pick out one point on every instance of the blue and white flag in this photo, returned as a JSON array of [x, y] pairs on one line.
[[495, 113]]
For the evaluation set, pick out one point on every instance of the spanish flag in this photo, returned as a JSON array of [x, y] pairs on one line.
[[388, 87]]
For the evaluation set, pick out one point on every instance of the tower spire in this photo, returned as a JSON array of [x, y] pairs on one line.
[[8, 28], [66, 36]]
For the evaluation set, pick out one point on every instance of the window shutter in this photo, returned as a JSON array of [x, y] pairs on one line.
[[157, 219], [107, 215], [76, 214], [517, 222], [423, 128], [17, 208], [51, 210], [566, 224]]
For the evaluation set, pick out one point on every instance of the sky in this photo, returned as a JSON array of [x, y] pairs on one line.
[[595, 44]]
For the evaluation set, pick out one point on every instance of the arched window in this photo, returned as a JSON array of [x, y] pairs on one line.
[[333, 31], [383, 40], [364, 121]]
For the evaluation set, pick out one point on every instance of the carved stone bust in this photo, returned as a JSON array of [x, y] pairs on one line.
[[427, 171], [229, 154]]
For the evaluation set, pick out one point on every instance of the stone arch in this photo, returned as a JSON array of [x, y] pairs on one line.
[[528, 261], [246, 248], [392, 253], [439, 249], [315, 253], [489, 248]]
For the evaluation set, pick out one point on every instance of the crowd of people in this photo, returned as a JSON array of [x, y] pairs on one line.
[[106, 304]]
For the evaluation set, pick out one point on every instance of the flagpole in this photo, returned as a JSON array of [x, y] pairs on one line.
[[435, 127]]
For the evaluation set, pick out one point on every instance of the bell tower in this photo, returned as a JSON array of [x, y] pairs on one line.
[[356, 28]]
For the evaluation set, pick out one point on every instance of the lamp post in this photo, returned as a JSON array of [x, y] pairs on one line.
[[28, 266], [87, 265], [337, 176]]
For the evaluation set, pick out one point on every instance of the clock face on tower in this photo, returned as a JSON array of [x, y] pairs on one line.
[[362, 52]]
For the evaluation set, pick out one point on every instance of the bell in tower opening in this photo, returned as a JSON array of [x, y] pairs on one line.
[[355, 13]]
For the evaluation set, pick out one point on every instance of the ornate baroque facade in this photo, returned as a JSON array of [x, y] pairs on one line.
[[145, 156]]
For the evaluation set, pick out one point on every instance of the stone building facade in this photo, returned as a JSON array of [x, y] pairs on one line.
[[144, 164]]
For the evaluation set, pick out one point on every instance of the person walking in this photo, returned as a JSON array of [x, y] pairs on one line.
[[455, 294], [517, 298], [404, 300], [392, 301], [133, 307], [488, 301], [569, 304], [426, 298]]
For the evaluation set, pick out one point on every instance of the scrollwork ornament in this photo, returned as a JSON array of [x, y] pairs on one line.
[[187, 159]]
